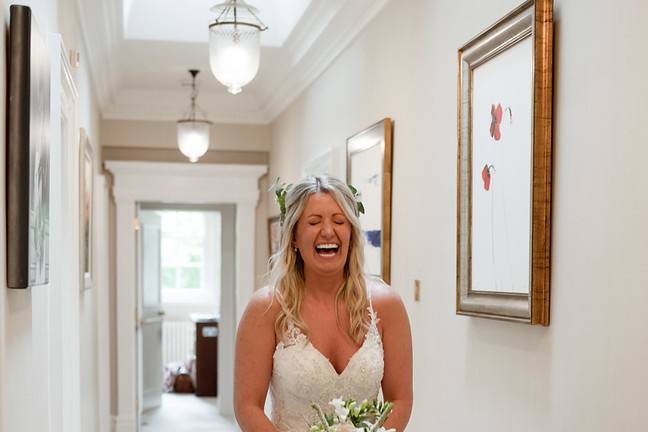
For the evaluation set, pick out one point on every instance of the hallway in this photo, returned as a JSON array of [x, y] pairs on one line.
[[186, 413], [378, 93]]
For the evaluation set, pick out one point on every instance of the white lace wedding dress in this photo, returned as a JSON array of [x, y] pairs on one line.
[[302, 375]]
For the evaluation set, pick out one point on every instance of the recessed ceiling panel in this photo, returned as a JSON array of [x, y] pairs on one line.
[[188, 20]]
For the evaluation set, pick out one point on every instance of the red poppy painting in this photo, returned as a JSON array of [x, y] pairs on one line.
[[500, 215], [496, 121], [486, 177]]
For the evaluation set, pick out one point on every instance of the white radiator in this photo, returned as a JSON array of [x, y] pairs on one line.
[[177, 341]]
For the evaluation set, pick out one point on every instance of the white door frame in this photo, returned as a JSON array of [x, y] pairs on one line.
[[149, 317], [191, 184]]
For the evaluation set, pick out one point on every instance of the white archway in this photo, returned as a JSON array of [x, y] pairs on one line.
[[179, 183]]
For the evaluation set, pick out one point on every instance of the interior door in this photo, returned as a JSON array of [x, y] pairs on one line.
[[151, 314]]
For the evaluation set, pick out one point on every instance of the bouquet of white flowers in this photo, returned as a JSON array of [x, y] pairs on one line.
[[351, 416]]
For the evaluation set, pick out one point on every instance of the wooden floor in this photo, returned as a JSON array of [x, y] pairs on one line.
[[186, 413]]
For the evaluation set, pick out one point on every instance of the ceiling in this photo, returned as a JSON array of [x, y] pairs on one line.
[[140, 51], [158, 19]]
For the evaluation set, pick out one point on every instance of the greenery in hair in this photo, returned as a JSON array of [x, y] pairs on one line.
[[356, 196], [281, 189]]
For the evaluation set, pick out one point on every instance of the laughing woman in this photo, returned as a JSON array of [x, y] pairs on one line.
[[323, 330]]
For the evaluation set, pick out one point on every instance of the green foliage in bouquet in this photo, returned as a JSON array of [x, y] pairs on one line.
[[351, 416]]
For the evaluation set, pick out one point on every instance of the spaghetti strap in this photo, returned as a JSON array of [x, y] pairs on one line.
[[368, 287]]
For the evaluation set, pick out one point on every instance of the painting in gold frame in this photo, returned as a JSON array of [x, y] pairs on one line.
[[504, 168], [369, 170]]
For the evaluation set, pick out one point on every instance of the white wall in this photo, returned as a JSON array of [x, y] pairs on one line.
[[92, 302], [163, 134], [587, 371], [17, 335], [31, 386]]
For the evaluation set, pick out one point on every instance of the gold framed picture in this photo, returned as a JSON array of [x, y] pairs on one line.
[[369, 170], [504, 168]]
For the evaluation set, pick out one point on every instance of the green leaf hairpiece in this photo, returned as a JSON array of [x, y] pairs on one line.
[[281, 189], [356, 196]]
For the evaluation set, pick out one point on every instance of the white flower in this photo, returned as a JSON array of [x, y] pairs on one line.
[[347, 427], [340, 410]]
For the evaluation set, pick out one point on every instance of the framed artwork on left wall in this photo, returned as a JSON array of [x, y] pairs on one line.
[[86, 184], [28, 152]]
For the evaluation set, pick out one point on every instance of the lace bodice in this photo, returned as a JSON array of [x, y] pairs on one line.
[[302, 375]]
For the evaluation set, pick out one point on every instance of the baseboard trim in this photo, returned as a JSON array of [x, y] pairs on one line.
[[124, 424], [152, 399]]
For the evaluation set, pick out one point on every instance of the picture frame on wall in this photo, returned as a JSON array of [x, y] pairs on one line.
[[369, 170], [504, 168], [28, 152], [86, 207], [274, 235]]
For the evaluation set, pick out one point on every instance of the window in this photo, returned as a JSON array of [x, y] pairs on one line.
[[190, 256], [183, 249]]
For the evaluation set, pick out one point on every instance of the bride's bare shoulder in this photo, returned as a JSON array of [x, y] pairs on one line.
[[384, 298], [262, 305]]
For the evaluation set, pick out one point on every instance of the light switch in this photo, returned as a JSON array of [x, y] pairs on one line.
[[417, 290], [75, 58]]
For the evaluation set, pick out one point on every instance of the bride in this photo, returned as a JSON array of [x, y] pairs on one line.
[[325, 330]]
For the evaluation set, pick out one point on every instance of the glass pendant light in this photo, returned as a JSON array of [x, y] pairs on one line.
[[234, 44], [193, 133]]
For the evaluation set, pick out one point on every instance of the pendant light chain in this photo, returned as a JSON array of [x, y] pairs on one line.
[[235, 17], [194, 94], [193, 132]]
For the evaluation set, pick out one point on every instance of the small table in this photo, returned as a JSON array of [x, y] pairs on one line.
[[206, 365]]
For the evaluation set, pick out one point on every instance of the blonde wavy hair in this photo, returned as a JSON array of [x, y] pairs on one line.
[[287, 266]]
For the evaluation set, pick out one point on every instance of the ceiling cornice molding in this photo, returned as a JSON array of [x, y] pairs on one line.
[[161, 105], [310, 28], [350, 20], [100, 27]]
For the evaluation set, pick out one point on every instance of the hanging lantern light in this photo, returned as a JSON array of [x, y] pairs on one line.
[[193, 133], [234, 44]]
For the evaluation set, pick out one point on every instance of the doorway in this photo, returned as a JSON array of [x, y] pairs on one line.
[[160, 182], [185, 273]]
